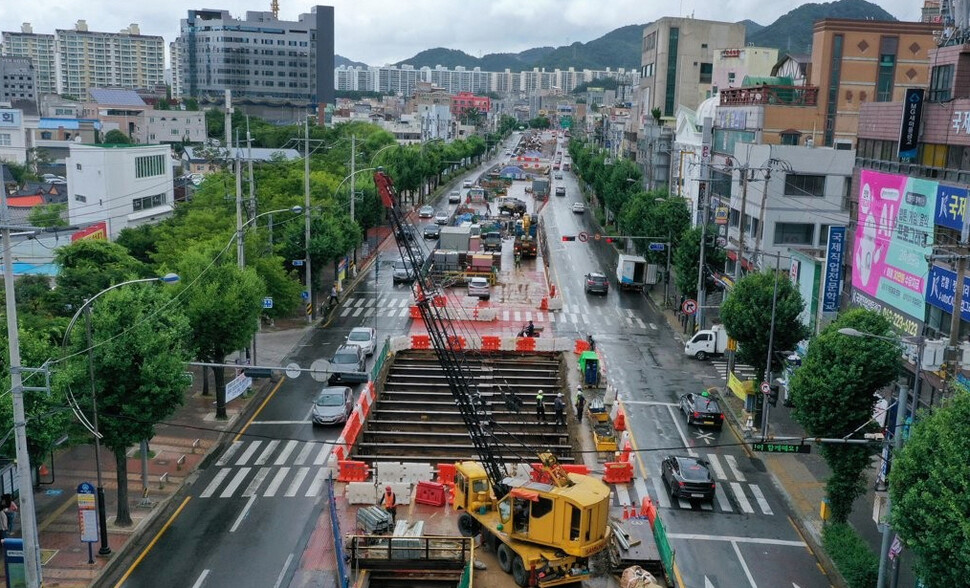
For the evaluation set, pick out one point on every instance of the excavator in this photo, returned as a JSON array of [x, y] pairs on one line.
[[543, 533]]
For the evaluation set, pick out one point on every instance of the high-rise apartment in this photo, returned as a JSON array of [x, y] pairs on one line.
[[40, 49]]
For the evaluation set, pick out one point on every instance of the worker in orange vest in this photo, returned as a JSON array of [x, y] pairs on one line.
[[390, 503]]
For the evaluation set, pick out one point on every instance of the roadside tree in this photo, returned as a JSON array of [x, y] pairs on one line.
[[687, 255], [88, 266], [833, 396]]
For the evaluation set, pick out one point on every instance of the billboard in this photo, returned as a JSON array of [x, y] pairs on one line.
[[834, 253], [942, 288], [894, 234], [909, 125]]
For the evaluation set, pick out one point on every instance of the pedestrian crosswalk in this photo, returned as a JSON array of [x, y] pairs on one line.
[[270, 469], [741, 370], [733, 494]]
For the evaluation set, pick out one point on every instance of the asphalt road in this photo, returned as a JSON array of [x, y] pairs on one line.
[[745, 537]]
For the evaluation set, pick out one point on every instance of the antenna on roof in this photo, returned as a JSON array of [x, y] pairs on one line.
[[274, 6]]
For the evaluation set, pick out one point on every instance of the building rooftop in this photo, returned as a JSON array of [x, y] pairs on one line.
[[116, 97]]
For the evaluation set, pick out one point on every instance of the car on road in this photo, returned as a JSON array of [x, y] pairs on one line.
[[454, 197], [426, 211], [478, 287], [432, 231], [558, 175], [579, 208], [597, 283], [702, 409], [688, 477], [560, 190], [363, 337], [332, 405], [466, 184], [403, 271], [347, 365], [441, 217]]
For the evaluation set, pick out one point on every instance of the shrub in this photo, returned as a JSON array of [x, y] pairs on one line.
[[857, 563]]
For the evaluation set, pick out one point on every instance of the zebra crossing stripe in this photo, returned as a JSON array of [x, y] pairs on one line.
[[518, 316], [324, 453], [214, 484], [264, 456], [623, 494], [230, 451], [345, 312], [640, 487], [255, 483], [358, 302], [357, 311], [287, 450], [640, 322], [304, 453], [369, 312], [277, 481], [235, 482], [505, 315], [404, 312], [733, 464], [552, 318], [741, 498], [716, 466], [317, 483], [297, 482], [244, 458], [722, 500], [760, 498], [663, 499]]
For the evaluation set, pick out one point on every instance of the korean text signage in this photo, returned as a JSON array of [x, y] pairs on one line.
[[833, 269], [942, 288], [893, 237], [909, 127], [9, 118]]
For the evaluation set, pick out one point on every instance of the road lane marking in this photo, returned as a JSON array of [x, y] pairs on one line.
[[276, 483], [317, 483], [242, 515], [253, 446], [214, 484], [358, 302], [286, 566], [623, 495], [264, 456], [297, 482], [735, 539], [760, 497], [744, 565], [345, 312], [287, 450], [722, 500], [640, 322], [641, 489], [235, 482], [680, 431], [716, 466], [369, 312], [741, 498], [653, 326], [358, 311], [321, 457], [230, 451], [255, 483], [733, 464], [152, 543], [259, 410], [663, 499], [304, 453], [199, 582]]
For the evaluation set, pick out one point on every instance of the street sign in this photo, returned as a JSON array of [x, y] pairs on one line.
[[596, 237], [765, 387], [305, 295], [297, 263], [656, 246], [87, 514], [268, 302], [237, 386], [689, 306], [584, 236], [781, 447]]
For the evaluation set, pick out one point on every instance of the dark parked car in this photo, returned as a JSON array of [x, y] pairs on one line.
[[332, 405], [597, 283], [702, 409], [347, 365], [688, 477]]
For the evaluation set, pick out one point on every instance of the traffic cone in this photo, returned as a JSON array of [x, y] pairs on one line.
[[626, 512]]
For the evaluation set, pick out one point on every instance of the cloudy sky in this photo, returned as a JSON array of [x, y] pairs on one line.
[[378, 32]]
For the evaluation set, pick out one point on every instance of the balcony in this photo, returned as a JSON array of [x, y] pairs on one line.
[[780, 95]]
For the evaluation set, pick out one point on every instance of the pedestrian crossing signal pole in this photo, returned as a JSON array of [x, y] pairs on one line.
[[771, 342]]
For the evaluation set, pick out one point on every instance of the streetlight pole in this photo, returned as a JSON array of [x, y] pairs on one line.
[[771, 342], [306, 205]]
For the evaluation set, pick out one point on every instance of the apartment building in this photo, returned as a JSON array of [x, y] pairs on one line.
[[18, 84], [41, 49], [90, 59]]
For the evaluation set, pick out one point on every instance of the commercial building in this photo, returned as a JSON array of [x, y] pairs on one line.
[[733, 65], [13, 135], [125, 111], [18, 84], [261, 59], [41, 49]]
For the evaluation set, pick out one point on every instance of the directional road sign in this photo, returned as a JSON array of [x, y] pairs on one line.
[[584, 236], [268, 302], [781, 447], [689, 306], [297, 263], [656, 246]]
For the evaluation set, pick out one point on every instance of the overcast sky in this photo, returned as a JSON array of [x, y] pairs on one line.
[[379, 32]]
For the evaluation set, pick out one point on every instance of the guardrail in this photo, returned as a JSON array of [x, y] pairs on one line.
[[338, 541]]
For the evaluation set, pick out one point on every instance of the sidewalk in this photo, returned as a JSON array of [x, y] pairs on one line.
[[801, 478]]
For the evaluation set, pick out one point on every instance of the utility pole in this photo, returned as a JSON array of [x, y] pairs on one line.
[[353, 172], [703, 205], [741, 228], [887, 530], [306, 208], [771, 342], [954, 342], [27, 512]]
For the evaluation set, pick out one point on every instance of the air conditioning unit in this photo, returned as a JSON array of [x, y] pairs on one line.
[[933, 355]]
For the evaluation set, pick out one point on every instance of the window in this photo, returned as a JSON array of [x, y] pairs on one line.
[[45, 135], [80, 198], [730, 77], [707, 71], [794, 234], [670, 92], [823, 235], [804, 185], [78, 166], [932, 155], [149, 165], [941, 83], [887, 68], [790, 138], [5, 140], [147, 202], [541, 507]]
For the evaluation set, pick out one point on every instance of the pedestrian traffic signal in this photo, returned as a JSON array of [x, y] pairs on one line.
[[773, 391], [569, 237], [710, 240]]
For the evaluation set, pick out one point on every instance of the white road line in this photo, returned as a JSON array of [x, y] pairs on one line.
[[287, 450], [297, 482], [369, 312], [275, 484], [744, 566], [201, 580], [716, 466], [405, 311], [650, 403], [629, 322], [256, 482], [684, 503], [286, 566], [640, 322], [357, 312], [270, 448], [358, 302], [317, 483], [528, 315], [741, 498], [653, 326], [722, 500], [629, 311], [345, 312], [622, 494], [229, 453], [539, 316], [552, 317], [505, 314], [321, 457], [760, 497], [733, 464], [242, 515], [235, 482], [304, 453], [733, 539], [663, 499], [211, 488], [518, 316], [641, 489], [680, 431]]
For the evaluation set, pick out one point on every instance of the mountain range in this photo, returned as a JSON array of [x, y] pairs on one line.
[[791, 33]]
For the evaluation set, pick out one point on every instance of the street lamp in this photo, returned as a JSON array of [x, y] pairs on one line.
[[901, 407], [93, 428]]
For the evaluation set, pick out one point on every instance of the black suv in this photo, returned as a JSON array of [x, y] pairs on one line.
[[702, 409], [597, 283], [348, 365], [688, 477]]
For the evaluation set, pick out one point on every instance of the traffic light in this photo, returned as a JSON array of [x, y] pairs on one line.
[[710, 240], [609, 239], [773, 391], [569, 237]]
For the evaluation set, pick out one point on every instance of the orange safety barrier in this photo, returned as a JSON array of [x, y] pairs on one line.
[[456, 342], [491, 343], [352, 428], [619, 423], [581, 346], [420, 342], [415, 312], [544, 305], [618, 472], [439, 301], [446, 474], [525, 344], [352, 471], [430, 493], [625, 454], [648, 510], [576, 468]]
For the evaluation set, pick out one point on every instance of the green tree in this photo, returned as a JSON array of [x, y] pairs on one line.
[[139, 356], [222, 303], [929, 488], [687, 254], [832, 393], [539, 122], [746, 314], [21, 172], [141, 242], [88, 266], [116, 137], [48, 216]]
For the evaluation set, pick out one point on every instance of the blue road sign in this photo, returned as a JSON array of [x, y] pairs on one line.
[[297, 263], [305, 295], [268, 302], [657, 246]]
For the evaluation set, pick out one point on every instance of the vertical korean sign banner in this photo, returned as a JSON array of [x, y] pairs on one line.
[[894, 233]]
